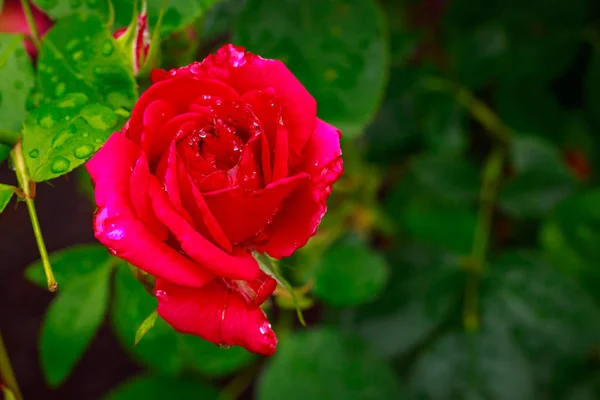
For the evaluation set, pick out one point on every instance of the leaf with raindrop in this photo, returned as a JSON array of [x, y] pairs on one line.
[[16, 83], [79, 55], [62, 135]]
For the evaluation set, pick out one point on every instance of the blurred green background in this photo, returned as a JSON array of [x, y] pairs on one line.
[[458, 259]]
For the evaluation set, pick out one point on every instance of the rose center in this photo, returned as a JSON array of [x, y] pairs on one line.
[[217, 144]]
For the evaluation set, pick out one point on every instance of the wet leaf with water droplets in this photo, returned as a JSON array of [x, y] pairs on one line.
[[16, 83], [61, 135], [6, 193], [77, 55], [344, 40]]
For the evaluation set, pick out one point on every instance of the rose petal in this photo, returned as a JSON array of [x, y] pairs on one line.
[[265, 153], [280, 165], [254, 209], [140, 177], [116, 225], [238, 265], [302, 213], [167, 173], [245, 71], [179, 93], [216, 314], [203, 218]]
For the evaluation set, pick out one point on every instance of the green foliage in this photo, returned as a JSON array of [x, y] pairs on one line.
[[77, 311], [160, 388], [62, 135], [336, 49], [325, 364], [79, 55], [61, 8], [16, 83], [350, 273]]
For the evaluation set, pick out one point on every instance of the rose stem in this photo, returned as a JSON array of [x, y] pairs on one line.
[[7, 374], [26, 187]]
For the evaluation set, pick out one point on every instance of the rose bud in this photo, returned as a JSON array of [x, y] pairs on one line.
[[135, 39], [219, 159], [12, 20]]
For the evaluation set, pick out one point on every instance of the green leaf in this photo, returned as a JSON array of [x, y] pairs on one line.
[[542, 179], [163, 349], [79, 55], [161, 388], [549, 312], [350, 273], [421, 295], [6, 193], [70, 264], [16, 83], [452, 228], [71, 321], [64, 134], [145, 327], [446, 178], [58, 9], [323, 365], [270, 266], [336, 49], [487, 365], [220, 18]]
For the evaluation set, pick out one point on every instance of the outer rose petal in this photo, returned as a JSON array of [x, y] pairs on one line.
[[239, 265], [117, 226], [302, 213], [245, 71], [217, 314]]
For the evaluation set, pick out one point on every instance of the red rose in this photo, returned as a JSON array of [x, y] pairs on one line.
[[219, 159]]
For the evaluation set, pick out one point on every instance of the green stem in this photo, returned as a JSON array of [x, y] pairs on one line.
[[7, 375], [35, 36], [478, 109], [491, 175], [26, 186]]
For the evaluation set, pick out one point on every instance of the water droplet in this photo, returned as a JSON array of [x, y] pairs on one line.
[[34, 153], [98, 140], [218, 102], [60, 165], [107, 48], [196, 68], [206, 97], [83, 151], [19, 85], [224, 346], [60, 89], [60, 139], [71, 44], [265, 328], [77, 55], [48, 120], [112, 251], [85, 134]]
